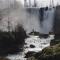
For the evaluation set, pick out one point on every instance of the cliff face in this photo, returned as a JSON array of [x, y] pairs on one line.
[[57, 21]]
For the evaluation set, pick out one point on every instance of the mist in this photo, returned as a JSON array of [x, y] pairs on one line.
[[16, 14], [48, 21]]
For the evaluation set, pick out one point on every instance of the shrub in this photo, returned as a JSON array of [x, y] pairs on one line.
[[11, 42]]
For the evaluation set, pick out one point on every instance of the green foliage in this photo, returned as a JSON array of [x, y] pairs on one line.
[[47, 51], [54, 41], [57, 50], [52, 50]]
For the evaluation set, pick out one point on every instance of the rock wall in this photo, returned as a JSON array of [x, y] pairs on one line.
[[57, 21]]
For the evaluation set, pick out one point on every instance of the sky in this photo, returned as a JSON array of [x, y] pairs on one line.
[[42, 2]]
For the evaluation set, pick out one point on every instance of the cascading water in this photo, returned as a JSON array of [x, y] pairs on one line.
[[47, 22], [44, 24], [35, 18], [30, 18]]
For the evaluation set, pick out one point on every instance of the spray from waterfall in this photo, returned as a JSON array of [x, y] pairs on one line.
[[45, 15], [39, 19]]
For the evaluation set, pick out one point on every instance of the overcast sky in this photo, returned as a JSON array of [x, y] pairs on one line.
[[5, 3], [42, 2]]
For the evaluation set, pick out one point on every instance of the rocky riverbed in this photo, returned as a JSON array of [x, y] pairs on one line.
[[34, 40]]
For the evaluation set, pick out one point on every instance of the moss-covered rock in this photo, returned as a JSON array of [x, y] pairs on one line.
[[49, 53], [54, 42]]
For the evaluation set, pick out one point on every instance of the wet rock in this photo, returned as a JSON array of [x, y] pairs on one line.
[[57, 21], [32, 46]]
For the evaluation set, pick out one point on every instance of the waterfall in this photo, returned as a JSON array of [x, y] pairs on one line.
[[29, 18], [40, 20], [47, 22]]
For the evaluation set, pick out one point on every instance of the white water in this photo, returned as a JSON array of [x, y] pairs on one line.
[[37, 42]]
